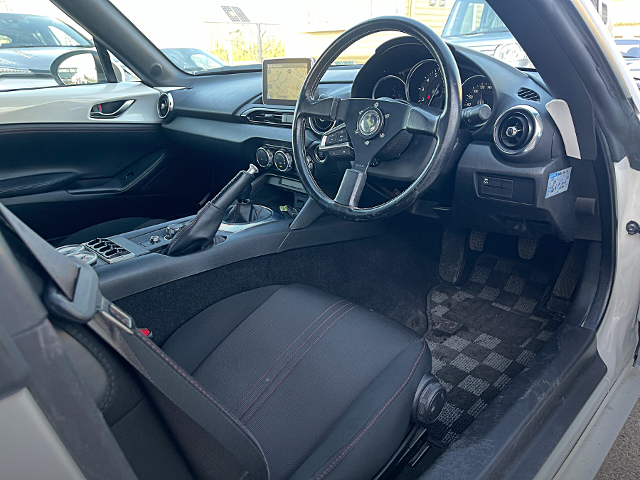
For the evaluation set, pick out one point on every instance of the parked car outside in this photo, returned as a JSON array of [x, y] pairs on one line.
[[630, 50], [474, 24], [29, 44]]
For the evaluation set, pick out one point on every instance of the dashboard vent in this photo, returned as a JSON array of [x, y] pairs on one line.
[[269, 117], [518, 130], [320, 127], [165, 105], [529, 94]]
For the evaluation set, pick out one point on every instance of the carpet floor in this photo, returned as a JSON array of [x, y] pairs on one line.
[[483, 334]]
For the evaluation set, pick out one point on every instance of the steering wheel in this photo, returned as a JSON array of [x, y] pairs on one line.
[[373, 127]]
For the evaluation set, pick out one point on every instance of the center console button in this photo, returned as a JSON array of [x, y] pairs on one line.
[[172, 230], [155, 239]]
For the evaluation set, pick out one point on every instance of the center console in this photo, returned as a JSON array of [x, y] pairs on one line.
[[229, 212], [106, 251]]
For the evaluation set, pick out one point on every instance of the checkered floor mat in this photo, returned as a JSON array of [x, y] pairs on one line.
[[483, 334]]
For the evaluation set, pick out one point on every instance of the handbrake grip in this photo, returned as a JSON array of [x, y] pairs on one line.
[[232, 190]]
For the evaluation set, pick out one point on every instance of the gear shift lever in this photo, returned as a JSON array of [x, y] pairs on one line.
[[244, 211], [200, 233]]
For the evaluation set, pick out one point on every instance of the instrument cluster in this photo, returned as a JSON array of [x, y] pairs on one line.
[[423, 84]]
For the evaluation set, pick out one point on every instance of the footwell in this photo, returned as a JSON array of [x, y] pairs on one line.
[[483, 334]]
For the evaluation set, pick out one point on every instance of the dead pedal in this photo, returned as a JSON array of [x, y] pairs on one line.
[[560, 300], [527, 247], [453, 255], [476, 240]]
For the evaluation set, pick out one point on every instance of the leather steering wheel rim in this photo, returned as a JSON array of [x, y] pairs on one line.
[[445, 129]]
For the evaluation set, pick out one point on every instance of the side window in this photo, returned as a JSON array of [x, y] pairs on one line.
[[123, 73], [473, 17], [60, 52]]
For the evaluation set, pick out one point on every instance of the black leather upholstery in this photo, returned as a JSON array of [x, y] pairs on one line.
[[200, 232], [324, 385], [110, 228], [246, 212]]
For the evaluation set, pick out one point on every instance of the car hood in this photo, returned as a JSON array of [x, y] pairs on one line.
[[36, 59]]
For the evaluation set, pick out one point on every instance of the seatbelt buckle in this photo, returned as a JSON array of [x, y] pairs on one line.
[[115, 315], [88, 302]]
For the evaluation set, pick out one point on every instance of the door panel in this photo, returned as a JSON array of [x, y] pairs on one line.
[[72, 104], [62, 170]]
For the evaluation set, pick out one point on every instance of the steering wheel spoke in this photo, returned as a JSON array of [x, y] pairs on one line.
[[351, 187], [325, 108], [423, 121]]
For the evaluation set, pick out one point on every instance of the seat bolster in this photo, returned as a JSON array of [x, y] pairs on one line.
[[374, 425]]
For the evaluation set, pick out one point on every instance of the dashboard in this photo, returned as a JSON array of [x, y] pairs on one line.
[[498, 178]]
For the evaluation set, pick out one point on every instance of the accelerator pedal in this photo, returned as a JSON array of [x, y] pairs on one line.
[[527, 247], [476, 240]]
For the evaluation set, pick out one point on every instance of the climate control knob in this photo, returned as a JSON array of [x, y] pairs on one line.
[[264, 157], [283, 160]]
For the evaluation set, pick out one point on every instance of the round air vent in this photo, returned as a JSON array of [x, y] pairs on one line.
[[518, 130], [165, 105], [320, 127]]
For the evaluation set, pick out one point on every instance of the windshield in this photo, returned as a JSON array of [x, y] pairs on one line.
[[204, 36], [25, 31], [473, 17]]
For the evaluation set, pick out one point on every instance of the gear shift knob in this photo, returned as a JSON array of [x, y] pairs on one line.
[[200, 233]]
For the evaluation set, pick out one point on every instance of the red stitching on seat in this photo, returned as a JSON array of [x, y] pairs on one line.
[[285, 376], [285, 351], [289, 359], [375, 418]]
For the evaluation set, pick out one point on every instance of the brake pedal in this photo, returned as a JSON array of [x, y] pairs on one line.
[[476, 240], [527, 247]]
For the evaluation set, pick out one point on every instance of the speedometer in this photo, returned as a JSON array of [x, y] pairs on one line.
[[477, 90], [390, 87], [425, 84]]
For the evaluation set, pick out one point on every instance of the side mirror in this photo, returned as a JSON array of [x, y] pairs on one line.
[[78, 68]]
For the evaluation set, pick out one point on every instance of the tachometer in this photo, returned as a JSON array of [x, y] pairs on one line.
[[425, 84], [477, 90], [390, 87]]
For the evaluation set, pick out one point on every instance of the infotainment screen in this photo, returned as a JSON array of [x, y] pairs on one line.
[[282, 79]]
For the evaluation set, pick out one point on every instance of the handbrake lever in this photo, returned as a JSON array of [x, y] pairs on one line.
[[200, 233]]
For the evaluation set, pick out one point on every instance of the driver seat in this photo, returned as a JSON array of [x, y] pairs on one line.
[[323, 385], [273, 383]]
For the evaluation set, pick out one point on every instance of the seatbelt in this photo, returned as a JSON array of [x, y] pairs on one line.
[[60, 269], [74, 295]]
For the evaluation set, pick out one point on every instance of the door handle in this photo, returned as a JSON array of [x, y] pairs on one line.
[[110, 109]]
